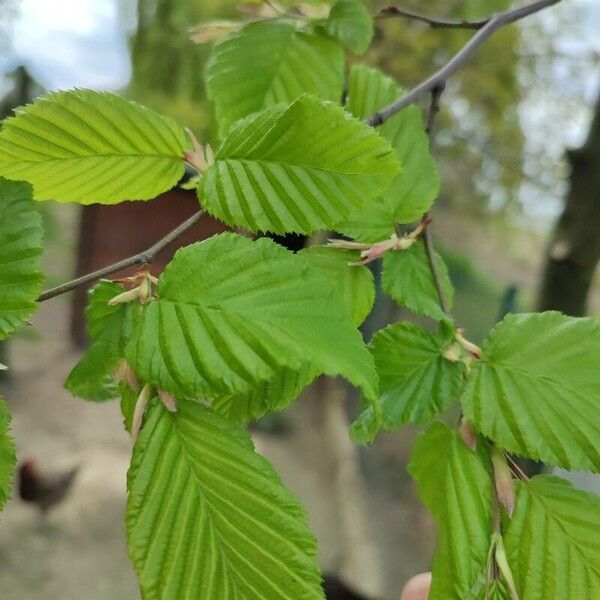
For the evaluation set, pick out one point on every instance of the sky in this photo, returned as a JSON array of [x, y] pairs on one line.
[[72, 43], [559, 95]]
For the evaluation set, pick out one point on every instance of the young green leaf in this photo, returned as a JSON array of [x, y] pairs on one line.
[[408, 280], [497, 591], [8, 456], [269, 396], [296, 169], [371, 224], [351, 23], [93, 377], [552, 541], [128, 401], [455, 484], [232, 312], [209, 518], [416, 381], [86, 146], [536, 390], [416, 187], [354, 283], [268, 63], [20, 255]]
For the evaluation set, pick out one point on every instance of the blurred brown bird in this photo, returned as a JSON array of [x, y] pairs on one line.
[[42, 489]]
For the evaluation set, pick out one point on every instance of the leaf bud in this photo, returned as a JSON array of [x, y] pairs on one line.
[[452, 352], [125, 373], [503, 480], [168, 400], [504, 567], [144, 290], [124, 297], [140, 409], [467, 433]]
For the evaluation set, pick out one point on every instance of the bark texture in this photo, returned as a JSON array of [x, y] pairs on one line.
[[574, 250]]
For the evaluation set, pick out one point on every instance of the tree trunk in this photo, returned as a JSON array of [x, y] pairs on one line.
[[574, 251], [22, 93]]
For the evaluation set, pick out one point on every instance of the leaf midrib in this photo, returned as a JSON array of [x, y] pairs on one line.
[[210, 509], [253, 316], [303, 165], [559, 523], [276, 71], [419, 367], [93, 156], [568, 387]]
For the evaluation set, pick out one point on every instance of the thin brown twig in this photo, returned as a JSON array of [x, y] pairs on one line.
[[433, 22], [516, 469], [435, 271], [142, 258], [442, 75], [434, 108]]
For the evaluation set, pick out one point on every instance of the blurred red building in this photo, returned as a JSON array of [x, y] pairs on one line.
[[110, 233]]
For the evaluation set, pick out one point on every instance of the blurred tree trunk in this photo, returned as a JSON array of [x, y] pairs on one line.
[[360, 566], [24, 88], [574, 250]]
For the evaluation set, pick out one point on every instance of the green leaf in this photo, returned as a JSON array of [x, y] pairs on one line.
[[20, 255], [270, 396], [354, 283], [128, 401], [232, 312], [209, 518], [552, 541], [92, 377], [455, 484], [85, 146], [536, 390], [407, 278], [98, 310], [296, 169], [267, 63], [351, 23], [371, 224], [497, 591], [415, 189], [8, 457], [415, 380]]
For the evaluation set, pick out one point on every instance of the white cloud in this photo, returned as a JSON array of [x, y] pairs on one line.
[[72, 43]]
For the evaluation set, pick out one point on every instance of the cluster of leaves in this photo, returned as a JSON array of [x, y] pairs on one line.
[[235, 328], [20, 283]]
